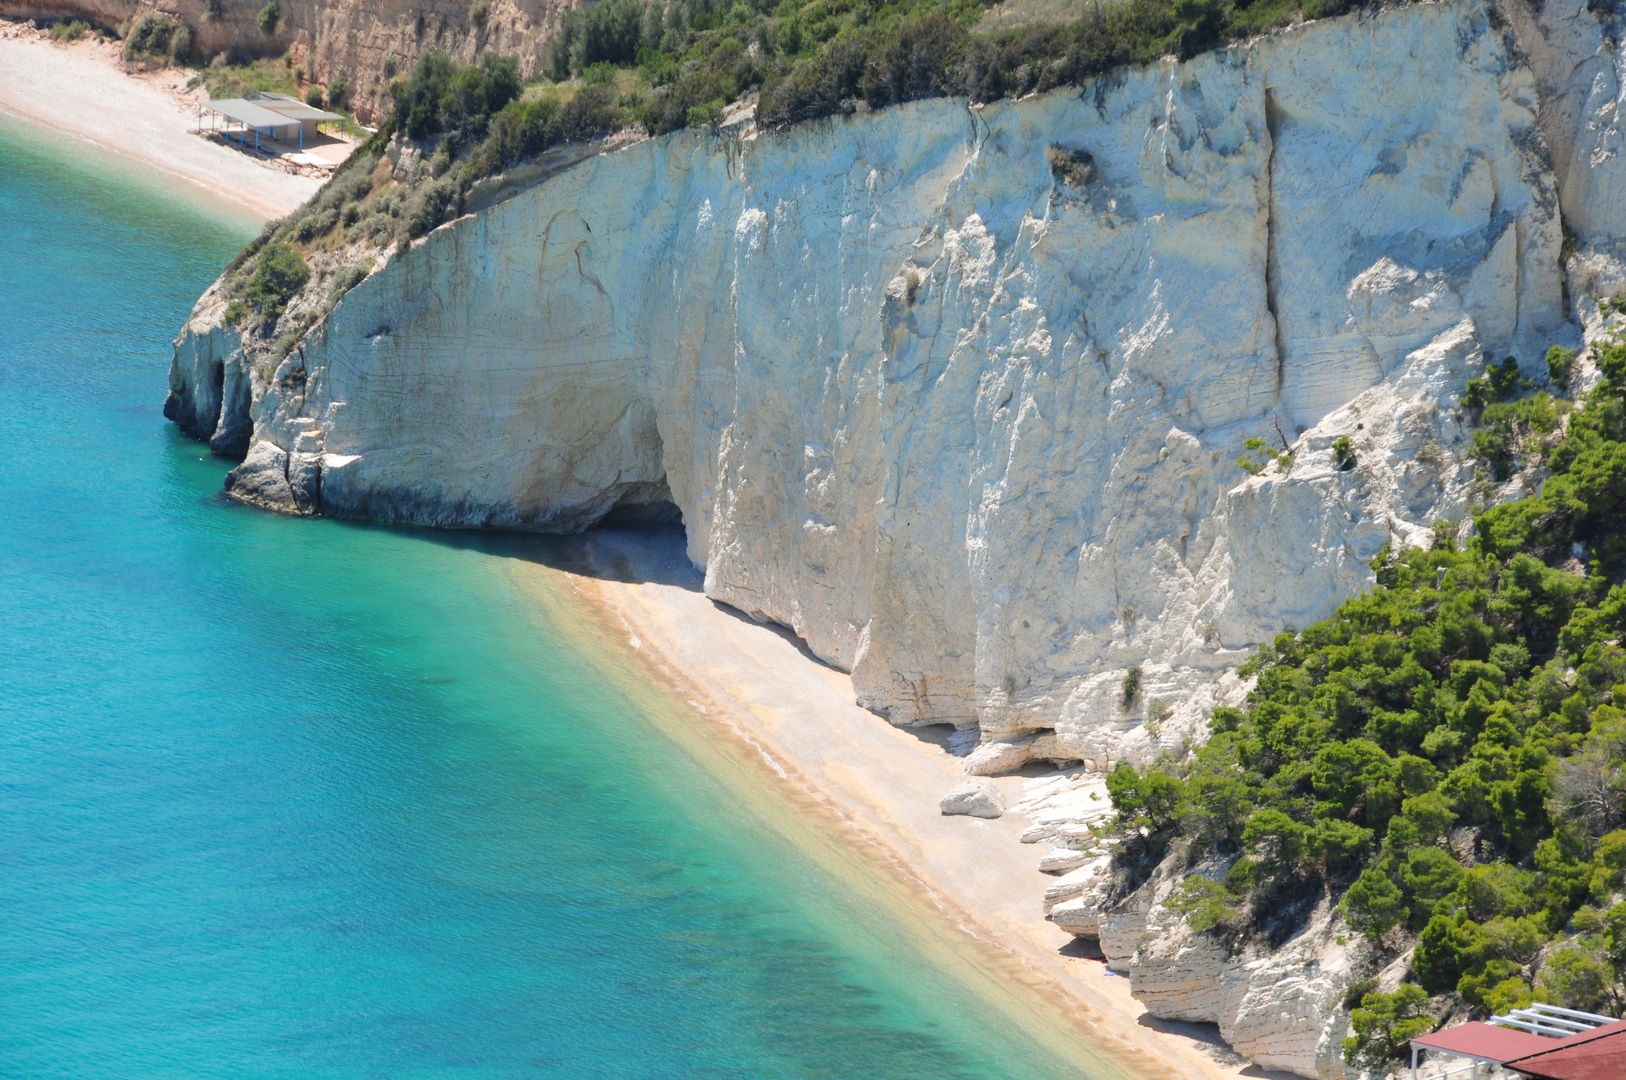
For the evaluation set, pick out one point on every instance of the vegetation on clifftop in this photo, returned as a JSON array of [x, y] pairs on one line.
[[813, 58], [674, 63], [1445, 756]]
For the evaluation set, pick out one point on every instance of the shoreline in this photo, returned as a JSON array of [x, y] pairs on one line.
[[78, 90], [812, 746]]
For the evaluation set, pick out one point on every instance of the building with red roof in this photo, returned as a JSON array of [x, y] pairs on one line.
[[1543, 1042], [1592, 1055]]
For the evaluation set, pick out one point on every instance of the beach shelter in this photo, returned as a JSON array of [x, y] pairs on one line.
[[308, 116], [252, 116]]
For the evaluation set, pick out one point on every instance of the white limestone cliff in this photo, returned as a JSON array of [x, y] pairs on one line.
[[969, 430]]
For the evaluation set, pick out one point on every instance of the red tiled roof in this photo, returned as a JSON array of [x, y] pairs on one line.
[[1591, 1055], [1488, 1042]]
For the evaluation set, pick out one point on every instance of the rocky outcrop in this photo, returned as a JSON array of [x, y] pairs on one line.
[[1281, 1004]]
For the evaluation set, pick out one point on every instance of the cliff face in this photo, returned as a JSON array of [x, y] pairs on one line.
[[967, 423], [966, 427], [361, 43]]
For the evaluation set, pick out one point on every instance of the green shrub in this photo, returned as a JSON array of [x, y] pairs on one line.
[[314, 98], [69, 30], [1560, 365], [1511, 430], [1204, 902], [280, 274], [1150, 800], [1261, 456], [1384, 1025], [704, 114], [1130, 690], [152, 35], [1581, 976], [336, 91], [1374, 904], [1429, 875], [606, 32], [441, 97], [213, 9], [1501, 382], [1075, 168], [236, 312], [345, 280], [270, 15], [1343, 451], [379, 228], [429, 206]]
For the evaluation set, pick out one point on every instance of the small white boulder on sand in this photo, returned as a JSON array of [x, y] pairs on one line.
[[979, 797]]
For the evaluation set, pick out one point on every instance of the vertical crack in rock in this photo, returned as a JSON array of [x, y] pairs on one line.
[[1272, 126]]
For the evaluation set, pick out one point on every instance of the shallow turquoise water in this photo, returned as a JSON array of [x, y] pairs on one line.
[[304, 799]]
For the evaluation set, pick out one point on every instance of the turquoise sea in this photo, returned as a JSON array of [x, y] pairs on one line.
[[285, 798]]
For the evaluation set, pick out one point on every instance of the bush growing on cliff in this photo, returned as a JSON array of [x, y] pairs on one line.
[[154, 35], [1261, 456], [69, 30], [1384, 1024], [270, 15], [812, 59], [1470, 709], [280, 274], [442, 98], [524, 129]]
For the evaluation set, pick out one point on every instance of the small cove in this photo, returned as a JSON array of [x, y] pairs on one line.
[[296, 798]]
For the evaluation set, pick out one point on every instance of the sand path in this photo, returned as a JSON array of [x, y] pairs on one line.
[[884, 782], [77, 89]]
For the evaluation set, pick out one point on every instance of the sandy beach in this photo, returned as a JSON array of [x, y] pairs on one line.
[[78, 89], [757, 684]]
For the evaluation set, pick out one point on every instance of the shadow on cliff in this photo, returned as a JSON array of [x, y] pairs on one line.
[[641, 554], [636, 554]]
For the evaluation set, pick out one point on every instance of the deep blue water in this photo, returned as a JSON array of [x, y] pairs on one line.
[[286, 798]]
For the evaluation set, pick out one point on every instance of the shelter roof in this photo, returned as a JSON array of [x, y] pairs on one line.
[[252, 113], [1591, 1055], [1487, 1042], [292, 107]]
